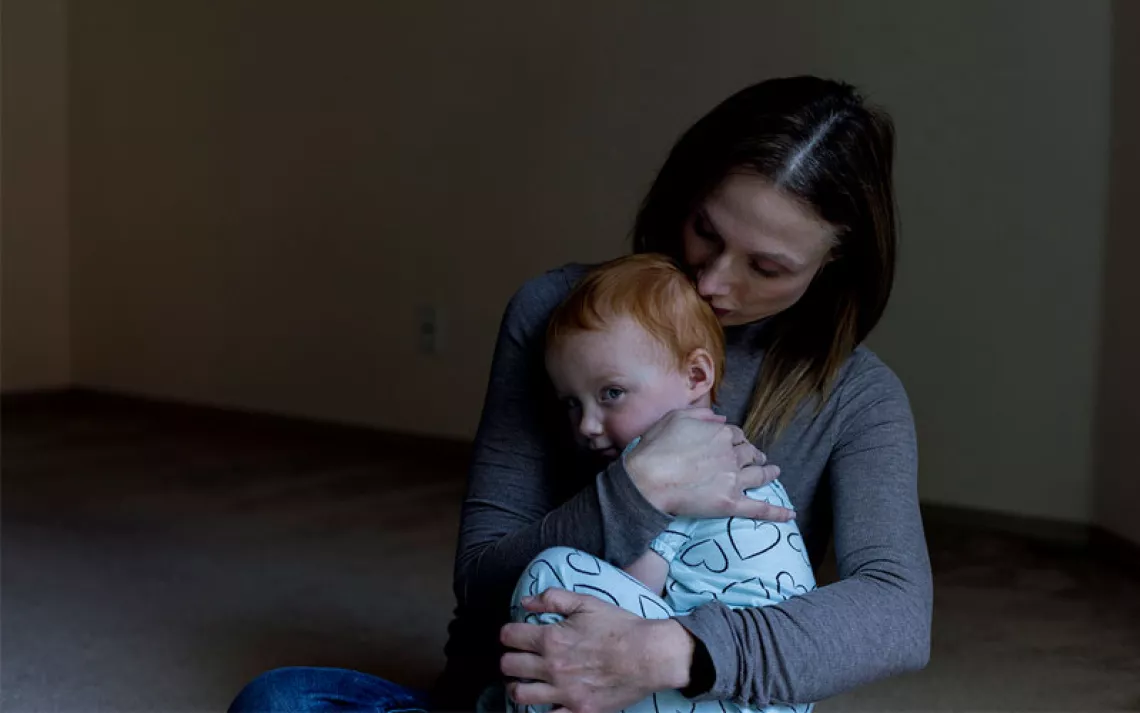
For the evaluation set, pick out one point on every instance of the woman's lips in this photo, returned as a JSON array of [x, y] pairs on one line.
[[720, 312]]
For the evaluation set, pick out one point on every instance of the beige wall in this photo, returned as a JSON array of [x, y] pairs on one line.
[[1118, 416], [34, 292], [265, 192], [1002, 109]]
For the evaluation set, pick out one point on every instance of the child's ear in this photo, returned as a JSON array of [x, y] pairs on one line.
[[700, 372]]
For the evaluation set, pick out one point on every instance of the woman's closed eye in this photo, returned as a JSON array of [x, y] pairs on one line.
[[764, 270], [703, 227]]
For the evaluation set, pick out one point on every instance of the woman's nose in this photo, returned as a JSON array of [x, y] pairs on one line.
[[712, 281]]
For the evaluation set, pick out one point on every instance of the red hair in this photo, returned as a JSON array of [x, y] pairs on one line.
[[652, 291]]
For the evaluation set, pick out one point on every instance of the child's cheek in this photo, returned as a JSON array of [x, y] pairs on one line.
[[634, 423]]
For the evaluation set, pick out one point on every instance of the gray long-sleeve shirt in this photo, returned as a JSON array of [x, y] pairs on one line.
[[850, 470]]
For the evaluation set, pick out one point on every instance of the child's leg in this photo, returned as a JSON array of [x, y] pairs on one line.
[[576, 571]]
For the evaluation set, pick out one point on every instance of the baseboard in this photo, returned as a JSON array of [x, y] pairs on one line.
[[1091, 539], [15, 397], [1059, 532], [450, 449], [1119, 550]]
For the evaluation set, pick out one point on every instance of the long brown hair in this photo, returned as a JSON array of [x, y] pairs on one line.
[[821, 142]]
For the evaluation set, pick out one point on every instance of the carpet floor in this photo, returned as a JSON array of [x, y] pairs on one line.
[[154, 558]]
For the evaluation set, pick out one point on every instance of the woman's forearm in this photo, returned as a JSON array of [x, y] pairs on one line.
[[608, 519], [673, 646], [815, 646], [874, 622]]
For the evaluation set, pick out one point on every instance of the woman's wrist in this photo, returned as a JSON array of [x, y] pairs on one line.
[[638, 470], [673, 650]]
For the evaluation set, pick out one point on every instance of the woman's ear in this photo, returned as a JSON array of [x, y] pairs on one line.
[[700, 373]]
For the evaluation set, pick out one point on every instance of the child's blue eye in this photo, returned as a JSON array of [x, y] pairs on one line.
[[570, 404], [612, 393]]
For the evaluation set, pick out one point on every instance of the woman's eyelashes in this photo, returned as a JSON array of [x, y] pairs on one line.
[[702, 226], [763, 271]]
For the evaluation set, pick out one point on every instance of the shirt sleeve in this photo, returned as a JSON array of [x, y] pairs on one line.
[[875, 621], [673, 538]]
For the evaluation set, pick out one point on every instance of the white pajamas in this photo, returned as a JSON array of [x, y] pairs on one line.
[[737, 561]]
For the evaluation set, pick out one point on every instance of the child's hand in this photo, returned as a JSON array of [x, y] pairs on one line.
[[691, 463]]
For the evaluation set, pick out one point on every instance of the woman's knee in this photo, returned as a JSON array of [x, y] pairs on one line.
[[282, 689], [312, 689]]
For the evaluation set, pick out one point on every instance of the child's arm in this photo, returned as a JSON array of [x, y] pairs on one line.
[[651, 569]]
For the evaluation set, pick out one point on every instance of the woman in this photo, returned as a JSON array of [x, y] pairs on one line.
[[780, 203]]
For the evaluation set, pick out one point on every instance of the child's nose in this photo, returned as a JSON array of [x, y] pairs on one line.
[[590, 425]]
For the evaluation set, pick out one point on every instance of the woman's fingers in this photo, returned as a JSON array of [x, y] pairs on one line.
[[754, 476], [760, 510], [747, 455], [759, 458], [601, 658], [555, 601], [517, 664], [522, 637], [532, 694]]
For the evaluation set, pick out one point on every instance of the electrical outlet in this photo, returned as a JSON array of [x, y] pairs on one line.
[[429, 328]]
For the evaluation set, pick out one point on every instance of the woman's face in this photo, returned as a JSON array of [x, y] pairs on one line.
[[754, 249]]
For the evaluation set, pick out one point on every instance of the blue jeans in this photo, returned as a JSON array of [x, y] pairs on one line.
[[304, 689]]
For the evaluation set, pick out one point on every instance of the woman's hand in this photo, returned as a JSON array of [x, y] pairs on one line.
[[691, 463], [599, 659]]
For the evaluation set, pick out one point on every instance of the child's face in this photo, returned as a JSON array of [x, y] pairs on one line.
[[618, 382]]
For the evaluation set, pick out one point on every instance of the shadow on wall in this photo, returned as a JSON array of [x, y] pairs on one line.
[[1117, 468]]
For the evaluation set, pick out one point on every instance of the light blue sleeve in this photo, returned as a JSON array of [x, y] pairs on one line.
[[674, 538], [741, 562]]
